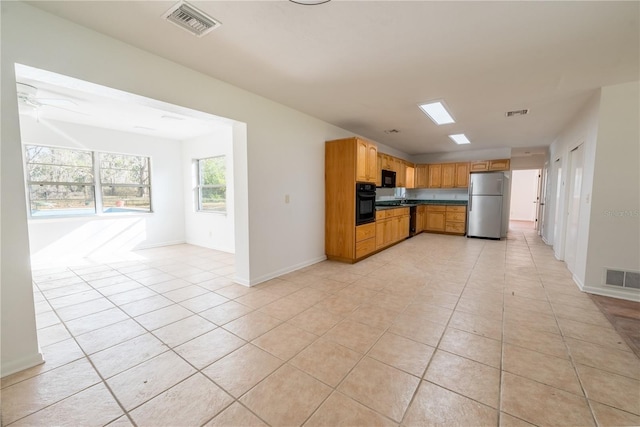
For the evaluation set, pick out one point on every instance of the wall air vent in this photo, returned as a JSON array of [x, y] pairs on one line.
[[623, 279], [189, 18], [517, 113]]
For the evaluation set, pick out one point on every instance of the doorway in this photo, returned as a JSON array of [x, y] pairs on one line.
[[525, 195]]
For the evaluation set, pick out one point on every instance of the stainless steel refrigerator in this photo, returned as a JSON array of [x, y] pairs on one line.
[[488, 210]]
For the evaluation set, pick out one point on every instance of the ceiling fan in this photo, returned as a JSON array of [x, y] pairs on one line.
[[28, 96]]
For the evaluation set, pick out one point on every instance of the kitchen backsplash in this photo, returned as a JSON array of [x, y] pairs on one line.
[[383, 194]]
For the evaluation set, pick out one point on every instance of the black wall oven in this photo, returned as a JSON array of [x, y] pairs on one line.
[[365, 203]]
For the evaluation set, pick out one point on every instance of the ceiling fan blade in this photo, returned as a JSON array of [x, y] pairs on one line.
[[56, 102]]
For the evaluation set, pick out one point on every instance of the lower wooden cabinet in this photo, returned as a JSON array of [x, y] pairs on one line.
[[392, 225], [365, 239], [435, 220], [446, 219]]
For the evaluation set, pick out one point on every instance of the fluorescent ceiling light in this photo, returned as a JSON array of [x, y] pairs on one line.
[[460, 138], [437, 113]]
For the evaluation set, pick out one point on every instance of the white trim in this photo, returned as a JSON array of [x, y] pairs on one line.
[[21, 364], [158, 245], [577, 281], [278, 273], [621, 293]]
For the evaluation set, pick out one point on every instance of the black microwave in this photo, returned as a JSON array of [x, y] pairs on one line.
[[388, 178]]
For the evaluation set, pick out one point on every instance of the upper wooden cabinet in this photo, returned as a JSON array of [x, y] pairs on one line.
[[442, 175], [448, 175], [401, 173], [462, 175], [435, 176], [490, 165], [422, 176], [366, 161], [410, 176]]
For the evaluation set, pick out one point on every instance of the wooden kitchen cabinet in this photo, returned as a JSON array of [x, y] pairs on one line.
[[420, 218], [436, 218], [490, 165], [347, 161], [366, 161], [410, 176], [392, 226], [448, 175], [462, 175], [499, 165], [422, 176], [456, 220], [435, 176]]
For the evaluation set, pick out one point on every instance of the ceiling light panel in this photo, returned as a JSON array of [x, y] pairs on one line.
[[437, 112], [460, 138]]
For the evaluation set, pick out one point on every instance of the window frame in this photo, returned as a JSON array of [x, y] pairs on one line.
[[200, 186], [96, 184]]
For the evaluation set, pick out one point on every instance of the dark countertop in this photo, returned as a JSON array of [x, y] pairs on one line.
[[408, 203]]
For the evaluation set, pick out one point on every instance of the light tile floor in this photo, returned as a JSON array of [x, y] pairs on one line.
[[438, 330]]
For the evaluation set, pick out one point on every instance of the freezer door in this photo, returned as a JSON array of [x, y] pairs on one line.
[[485, 216], [486, 183]]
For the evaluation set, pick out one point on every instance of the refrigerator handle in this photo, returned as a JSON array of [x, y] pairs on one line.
[[470, 196]]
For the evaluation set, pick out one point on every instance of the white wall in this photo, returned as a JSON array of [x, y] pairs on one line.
[[208, 229], [524, 191], [535, 161], [614, 228], [283, 153], [56, 239], [18, 339], [581, 130]]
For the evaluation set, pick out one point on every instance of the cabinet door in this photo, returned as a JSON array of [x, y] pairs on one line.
[[435, 176], [479, 166], [420, 218], [448, 175], [410, 177], [401, 174], [499, 165], [422, 176], [380, 227], [361, 160], [379, 170], [403, 231], [436, 221], [372, 162], [462, 175]]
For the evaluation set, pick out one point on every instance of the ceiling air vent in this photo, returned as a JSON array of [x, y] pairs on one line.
[[516, 113], [191, 19]]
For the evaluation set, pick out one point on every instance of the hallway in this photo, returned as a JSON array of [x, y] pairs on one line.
[[437, 330]]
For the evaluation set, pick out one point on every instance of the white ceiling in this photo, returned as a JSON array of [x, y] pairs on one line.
[[365, 65]]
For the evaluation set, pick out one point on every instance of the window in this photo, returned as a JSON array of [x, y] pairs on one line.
[[212, 184], [125, 183], [62, 182]]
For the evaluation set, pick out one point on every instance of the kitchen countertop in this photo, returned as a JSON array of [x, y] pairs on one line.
[[408, 203]]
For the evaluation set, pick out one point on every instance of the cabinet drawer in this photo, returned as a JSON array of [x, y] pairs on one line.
[[454, 227], [365, 247], [381, 214], [364, 232], [462, 209], [455, 216], [436, 208]]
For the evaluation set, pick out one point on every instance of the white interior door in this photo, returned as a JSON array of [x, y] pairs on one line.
[[558, 238], [542, 202], [573, 207]]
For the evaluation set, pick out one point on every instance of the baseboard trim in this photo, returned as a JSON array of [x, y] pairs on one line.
[[578, 282], [158, 245], [21, 364], [278, 273], [627, 294]]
